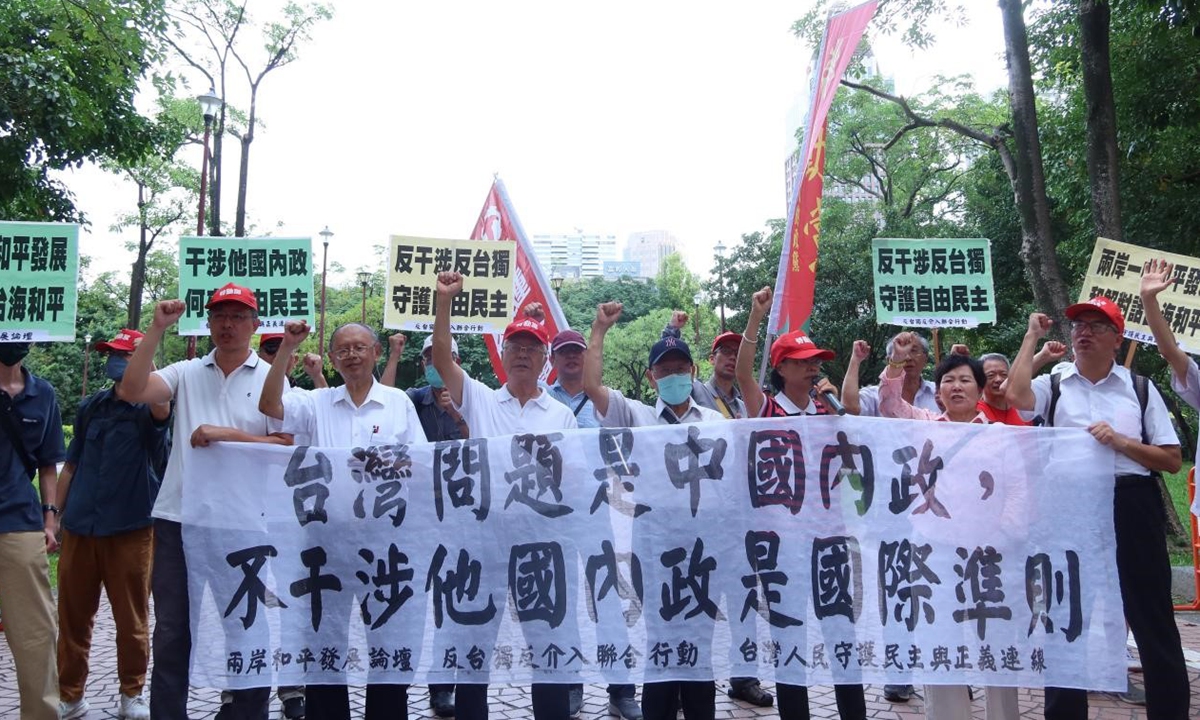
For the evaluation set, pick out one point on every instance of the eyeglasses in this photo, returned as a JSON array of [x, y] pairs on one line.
[[726, 349], [220, 317], [357, 350], [517, 349], [1097, 327]]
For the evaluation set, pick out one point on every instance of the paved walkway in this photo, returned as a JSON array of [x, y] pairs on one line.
[[512, 703]]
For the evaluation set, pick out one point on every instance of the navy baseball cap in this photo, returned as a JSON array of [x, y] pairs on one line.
[[666, 346]]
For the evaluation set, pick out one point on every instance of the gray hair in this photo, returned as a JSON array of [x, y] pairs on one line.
[[923, 341], [374, 335], [995, 356]]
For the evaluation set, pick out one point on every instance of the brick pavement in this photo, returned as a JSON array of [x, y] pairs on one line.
[[512, 703]]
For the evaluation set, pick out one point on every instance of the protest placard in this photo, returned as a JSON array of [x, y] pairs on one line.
[[39, 271], [936, 282], [1115, 271], [485, 304], [278, 270], [801, 550]]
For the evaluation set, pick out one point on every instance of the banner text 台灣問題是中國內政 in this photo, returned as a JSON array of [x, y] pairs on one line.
[[803, 550]]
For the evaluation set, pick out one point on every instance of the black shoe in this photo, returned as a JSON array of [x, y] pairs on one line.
[[574, 700], [624, 707], [897, 693], [752, 693], [293, 708], [225, 713], [442, 703]]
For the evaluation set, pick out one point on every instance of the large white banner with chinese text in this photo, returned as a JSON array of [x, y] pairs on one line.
[[804, 550]]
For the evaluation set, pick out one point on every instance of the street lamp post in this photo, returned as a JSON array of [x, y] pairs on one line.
[[364, 278], [325, 235], [720, 250], [87, 359], [210, 103], [697, 298], [556, 282]]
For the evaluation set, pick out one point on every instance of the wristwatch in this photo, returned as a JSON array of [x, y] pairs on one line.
[[50, 508]]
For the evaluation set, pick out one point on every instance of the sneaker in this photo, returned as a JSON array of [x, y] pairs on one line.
[[574, 700], [71, 710], [293, 709], [897, 693], [1132, 663], [134, 708], [752, 693], [624, 707], [441, 703]]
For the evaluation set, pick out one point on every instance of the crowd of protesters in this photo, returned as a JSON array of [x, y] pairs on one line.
[[114, 507]]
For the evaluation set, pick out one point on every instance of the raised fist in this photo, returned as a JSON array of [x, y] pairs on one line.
[[534, 311], [607, 314], [167, 313], [396, 344], [294, 333], [449, 284], [861, 350], [1039, 324], [761, 301]]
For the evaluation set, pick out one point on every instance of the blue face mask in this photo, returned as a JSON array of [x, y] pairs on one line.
[[433, 377], [115, 366], [675, 389]]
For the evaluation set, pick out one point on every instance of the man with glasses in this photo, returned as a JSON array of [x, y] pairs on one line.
[[1097, 393], [106, 492], [359, 413], [519, 406], [216, 399]]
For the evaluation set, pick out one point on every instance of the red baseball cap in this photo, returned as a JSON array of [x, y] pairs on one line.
[[125, 341], [568, 337], [268, 337], [529, 326], [724, 338], [1102, 305], [798, 346], [236, 294]]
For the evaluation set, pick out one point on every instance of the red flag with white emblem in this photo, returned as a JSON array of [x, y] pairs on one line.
[[498, 221]]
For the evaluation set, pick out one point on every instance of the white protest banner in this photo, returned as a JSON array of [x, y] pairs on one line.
[[1115, 271], [803, 550]]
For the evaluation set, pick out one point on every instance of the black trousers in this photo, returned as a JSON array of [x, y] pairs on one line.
[[661, 701], [332, 702], [793, 702], [1145, 574], [550, 701]]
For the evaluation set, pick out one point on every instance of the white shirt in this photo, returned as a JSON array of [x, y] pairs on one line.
[[205, 395], [868, 399], [329, 417], [1112, 400], [298, 438], [491, 412], [1189, 389], [790, 407], [623, 412]]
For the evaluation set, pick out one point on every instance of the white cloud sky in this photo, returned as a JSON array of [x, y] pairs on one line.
[[612, 117]]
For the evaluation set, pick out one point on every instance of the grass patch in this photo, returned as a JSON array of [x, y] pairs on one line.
[[1180, 549]]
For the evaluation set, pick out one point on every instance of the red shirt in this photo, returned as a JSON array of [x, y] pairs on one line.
[[1004, 417]]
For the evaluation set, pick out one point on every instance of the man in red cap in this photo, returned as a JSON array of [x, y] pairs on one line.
[[1126, 413], [106, 492], [216, 399], [519, 406]]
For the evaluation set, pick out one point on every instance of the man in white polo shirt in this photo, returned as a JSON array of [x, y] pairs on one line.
[[519, 406], [216, 399], [670, 372], [360, 413]]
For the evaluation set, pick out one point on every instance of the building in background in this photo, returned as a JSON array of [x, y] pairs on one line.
[[617, 269], [577, 254], [649, 247]]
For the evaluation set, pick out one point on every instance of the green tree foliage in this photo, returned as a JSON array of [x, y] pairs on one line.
[[69, 70], [677, 286], [579, 299]]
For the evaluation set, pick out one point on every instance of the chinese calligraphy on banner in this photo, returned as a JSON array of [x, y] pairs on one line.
[[1115, 271], [39, 270], [935, 282], [485, 304], [807, 550], [278, 270]]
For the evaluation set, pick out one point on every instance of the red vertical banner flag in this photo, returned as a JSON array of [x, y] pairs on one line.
[[498, 221], [796, 278]]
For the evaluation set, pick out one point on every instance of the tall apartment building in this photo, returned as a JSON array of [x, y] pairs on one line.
[[649, 247], [575, 254]]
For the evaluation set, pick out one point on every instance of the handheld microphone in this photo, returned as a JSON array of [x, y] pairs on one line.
[[828, 399]]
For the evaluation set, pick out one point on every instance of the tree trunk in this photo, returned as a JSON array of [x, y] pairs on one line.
[[243, 171], [214, 176], [137, 277], [1103, 175], [1029, 186]]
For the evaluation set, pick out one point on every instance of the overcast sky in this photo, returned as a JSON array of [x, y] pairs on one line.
[[611, 117]]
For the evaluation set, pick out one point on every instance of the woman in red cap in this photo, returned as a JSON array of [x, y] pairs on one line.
[[796, 377]]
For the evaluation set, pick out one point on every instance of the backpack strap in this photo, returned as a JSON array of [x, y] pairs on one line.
[[1141, 388], [1055, 391]]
